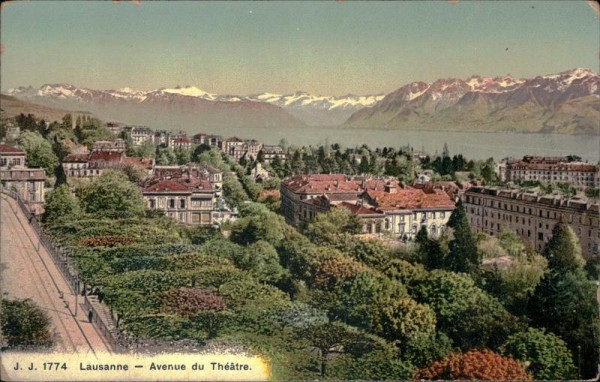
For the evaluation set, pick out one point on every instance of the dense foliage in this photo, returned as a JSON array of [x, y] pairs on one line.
[[320, 302], [545, 354], [24, 324], [112, 194], [60, 204]]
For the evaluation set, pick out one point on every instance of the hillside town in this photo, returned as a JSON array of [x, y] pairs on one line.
[[192, 193], [299, 219]]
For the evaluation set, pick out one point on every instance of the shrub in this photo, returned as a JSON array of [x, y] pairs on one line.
[[475, 365]]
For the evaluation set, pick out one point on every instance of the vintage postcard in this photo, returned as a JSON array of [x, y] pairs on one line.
[[309, 190]]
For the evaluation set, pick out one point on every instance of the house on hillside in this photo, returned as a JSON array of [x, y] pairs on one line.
[[27, 182]]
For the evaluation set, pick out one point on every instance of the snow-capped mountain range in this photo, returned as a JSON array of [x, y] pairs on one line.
[[333, 110], [566, 102]]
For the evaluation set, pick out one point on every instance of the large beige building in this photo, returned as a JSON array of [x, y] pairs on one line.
[[567, 170], [384, 205], [95, 163], [532, 216]]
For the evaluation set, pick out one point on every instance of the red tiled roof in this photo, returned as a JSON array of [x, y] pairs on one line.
[[77, 158], [360, 210], [166, 186], [106, 156], [9, 150], [410, 199], [178, 184], [322, 183], [182, 140]]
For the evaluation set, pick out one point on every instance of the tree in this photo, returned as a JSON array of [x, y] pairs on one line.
[[136, 173], [424, 348], [469, 316], [337, 338], [327, 228], [335, 270], [515, 284], [60, 204], [189, 301], [261, 259], [112, 194], [297, 163], [39, 152], [257, 223], [482, 365], [146, 150], [24, 324], [563, 251], [374, 366], [546, 354], [565, 304], [463, 256], [403, 319]]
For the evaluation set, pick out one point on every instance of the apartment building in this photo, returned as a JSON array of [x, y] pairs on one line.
[[385, 205], [567, 170], [532, 216], [118, 145], [271, 152], [139, 135], [93, 164], [185, 194], [14, 176]]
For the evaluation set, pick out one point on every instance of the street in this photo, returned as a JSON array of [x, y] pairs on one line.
[[27, 271]]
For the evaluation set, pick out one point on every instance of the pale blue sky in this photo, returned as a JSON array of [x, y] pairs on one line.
[[328, 48]]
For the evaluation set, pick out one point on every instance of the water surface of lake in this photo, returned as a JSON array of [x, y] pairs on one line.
[[472, 145]]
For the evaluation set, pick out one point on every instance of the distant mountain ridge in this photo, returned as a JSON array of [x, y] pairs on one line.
[[310, 109], [567, 102], [11, 107]]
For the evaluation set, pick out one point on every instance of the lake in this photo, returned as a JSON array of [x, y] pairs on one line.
[[472, 145]]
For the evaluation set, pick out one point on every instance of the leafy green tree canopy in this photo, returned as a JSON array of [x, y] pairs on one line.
[[546, 354], [60, 204], [39, 152], [112, 194], [563, 250], [463, 256], [24, 324]]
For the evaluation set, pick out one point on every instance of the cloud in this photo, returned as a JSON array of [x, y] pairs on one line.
[[595, 7]]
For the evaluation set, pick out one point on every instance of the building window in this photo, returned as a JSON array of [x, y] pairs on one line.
[[152, 203], [195, 218], [414, 228], [181, 203], [442, 215], [540, 236], [171, 203]]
